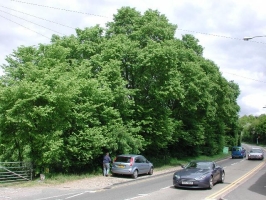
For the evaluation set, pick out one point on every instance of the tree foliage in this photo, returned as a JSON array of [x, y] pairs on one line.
[[129, 88], [253, 129]]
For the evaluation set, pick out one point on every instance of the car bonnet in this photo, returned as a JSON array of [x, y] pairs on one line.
[[192, 173]]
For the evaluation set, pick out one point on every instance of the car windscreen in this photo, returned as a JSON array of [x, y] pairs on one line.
[[123, 159], [199, 165]]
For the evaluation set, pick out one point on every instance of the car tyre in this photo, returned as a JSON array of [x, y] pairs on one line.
[[211, 183], [222, 177], [135, 174], [150, 171]]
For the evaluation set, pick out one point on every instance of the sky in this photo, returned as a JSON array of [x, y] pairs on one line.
[[220, 27]]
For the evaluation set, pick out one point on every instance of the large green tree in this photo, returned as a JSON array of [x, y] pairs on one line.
[[131, 87]]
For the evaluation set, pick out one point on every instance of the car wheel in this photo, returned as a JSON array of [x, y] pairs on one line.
[[222, 177], [211, 183], [135, 174], [150, 171]]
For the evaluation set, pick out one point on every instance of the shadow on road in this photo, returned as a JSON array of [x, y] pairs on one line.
[[259, 186]]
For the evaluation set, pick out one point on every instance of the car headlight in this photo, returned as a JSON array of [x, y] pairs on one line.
[[177, 176], [200, 177]]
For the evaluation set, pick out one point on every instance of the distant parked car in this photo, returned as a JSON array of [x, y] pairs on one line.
[[238, 152], [199, 174], [256, 154], [131, 164]]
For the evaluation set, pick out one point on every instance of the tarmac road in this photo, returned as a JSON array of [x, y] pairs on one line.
[[243, 180]]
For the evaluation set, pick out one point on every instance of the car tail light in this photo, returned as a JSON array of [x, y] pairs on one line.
[[131, 161], [115, 159]]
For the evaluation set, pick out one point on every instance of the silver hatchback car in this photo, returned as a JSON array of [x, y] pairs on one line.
[[256, 154], [131, 164]]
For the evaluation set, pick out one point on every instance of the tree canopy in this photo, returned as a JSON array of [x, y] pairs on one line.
[[131, 87], [253, 129]]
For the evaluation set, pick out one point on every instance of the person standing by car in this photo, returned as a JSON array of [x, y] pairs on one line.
[[106, 164]]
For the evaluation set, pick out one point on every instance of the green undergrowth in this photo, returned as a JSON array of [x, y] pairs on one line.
[[165, 163], [159, 164]]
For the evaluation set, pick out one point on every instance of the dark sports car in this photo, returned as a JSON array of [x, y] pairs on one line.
[[199, 174]]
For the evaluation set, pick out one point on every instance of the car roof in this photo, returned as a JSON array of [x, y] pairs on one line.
[[131, 155], [201, 161], [256, 148]]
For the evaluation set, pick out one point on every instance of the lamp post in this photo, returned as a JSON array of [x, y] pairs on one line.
[[249, 38]]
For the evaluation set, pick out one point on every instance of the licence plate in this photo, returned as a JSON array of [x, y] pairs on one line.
[[121, 166], [187, 183]]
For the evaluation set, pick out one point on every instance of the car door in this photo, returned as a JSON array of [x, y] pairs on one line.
[[137, 164], [145, 165], [243, 152], [141, 164], [216, 172]]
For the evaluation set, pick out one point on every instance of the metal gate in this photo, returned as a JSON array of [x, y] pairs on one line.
[[15, 171]]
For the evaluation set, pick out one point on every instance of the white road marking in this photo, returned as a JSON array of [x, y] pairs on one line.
[[56, 196], [94, 191], [165, 187], [76, 195], [139, 196], [143, 195], [5, 197]]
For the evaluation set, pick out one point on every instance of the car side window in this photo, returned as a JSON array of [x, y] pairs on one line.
[[142, 159], [213, 165], [137, 160]]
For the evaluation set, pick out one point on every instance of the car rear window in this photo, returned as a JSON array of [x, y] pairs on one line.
[[256, 150], [236, 148], [123, 159]]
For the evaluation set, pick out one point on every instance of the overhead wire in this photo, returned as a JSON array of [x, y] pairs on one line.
[[79, 12], [245, 77], [191, 31], [38, 17], [24, 27], [84, 13], [215, 35], [32, 22]]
